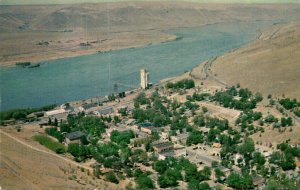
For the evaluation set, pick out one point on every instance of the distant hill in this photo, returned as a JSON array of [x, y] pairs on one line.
[[135, 15], [44, 32]]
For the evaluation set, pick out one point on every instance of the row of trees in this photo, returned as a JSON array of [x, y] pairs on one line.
[[182, 84], [246, 100], [288, 103], [20, 114]]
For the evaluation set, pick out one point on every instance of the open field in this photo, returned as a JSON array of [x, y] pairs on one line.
[[270, 65], [45, 32]]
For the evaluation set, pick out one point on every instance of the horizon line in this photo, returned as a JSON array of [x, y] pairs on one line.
[[60, 2]]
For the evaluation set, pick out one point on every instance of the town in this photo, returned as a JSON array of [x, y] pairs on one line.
[[180, 133]]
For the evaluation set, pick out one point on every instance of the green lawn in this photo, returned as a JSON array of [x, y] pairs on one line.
[[51, 144]]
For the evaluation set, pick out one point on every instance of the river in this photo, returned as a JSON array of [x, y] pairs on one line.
[[81, 77]]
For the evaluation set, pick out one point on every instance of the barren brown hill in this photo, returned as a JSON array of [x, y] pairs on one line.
[[24, 164], [43, 32], [271, 65]]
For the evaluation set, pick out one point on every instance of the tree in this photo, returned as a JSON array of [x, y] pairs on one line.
[[219, 173], [258, 97], [49, 121], [204, 109], [144, 182], [110, 176], [204, 186], [259, 158], [120, 137], [169, 178], [195, 185], [199, 121], [55, 122], [116, 119], [247, 148], [238, 181], [195, 137], [205, 173]]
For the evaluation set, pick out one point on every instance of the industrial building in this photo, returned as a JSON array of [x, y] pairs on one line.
[[144, 78]]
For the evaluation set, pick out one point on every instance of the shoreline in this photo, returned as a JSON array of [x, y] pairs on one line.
[[55, 55]]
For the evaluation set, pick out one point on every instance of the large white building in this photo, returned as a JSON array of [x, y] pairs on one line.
[[144, 78]]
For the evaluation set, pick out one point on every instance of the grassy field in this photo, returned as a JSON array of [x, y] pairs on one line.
[[50, 143]]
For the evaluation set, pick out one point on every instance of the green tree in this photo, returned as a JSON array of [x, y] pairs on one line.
[[238, 181], [195, 137], [247, 148], [110, 176], [144, 182], [169, 178]]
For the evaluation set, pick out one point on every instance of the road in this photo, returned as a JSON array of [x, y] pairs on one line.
[[289, 113]]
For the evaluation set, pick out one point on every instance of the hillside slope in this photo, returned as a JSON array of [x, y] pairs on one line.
[[271, 65]]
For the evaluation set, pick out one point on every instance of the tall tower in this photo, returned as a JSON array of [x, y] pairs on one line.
[[144, 78]]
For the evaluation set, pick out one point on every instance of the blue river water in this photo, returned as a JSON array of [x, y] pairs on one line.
[[81, 77]]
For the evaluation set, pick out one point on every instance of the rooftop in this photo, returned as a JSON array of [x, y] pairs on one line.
[[163, 144], [75, 135], [106, 111], [146, 125]]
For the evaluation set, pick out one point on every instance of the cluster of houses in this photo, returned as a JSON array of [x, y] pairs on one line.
[[167, 145]]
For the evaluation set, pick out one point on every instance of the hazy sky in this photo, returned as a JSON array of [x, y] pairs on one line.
[[8, 2]]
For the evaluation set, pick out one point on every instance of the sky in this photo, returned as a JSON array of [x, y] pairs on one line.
[[16, 2]]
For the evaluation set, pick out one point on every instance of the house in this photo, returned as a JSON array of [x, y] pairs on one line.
[[204, 130], [55, 112], [164, 155], [179, 150], [162, 146], [74, 137], [87, 106], [105, 111], [164, 135], [147, 128]]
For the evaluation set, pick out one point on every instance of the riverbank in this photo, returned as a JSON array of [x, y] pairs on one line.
[[75, 47]]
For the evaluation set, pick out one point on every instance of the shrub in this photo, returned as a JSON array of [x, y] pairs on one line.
[[110, 176]]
